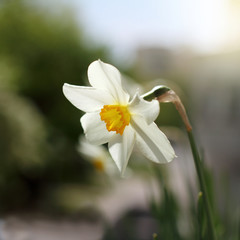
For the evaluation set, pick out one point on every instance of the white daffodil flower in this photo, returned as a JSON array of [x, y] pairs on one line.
[[97, 156], [111, 118]]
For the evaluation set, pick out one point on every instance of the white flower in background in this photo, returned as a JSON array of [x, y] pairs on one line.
[[97, 156], [111, 118]]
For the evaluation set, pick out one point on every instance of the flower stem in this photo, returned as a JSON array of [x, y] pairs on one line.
[[198, 164], [164, 94], [202, 184]]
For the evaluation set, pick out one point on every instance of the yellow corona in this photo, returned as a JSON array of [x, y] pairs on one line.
[[116, 117], [98, 164]]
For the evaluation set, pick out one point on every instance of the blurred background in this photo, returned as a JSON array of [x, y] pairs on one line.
[[46, 179]]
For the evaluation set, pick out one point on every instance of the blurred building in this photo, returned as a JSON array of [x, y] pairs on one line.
[[161, 62], [212, 84]]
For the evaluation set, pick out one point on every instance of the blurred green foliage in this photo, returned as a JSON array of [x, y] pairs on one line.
[[39, 51], [46, 50], [168, 218], [166, 215]]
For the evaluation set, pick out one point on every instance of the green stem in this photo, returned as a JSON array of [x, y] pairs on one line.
[[202, 184], [164, 94]]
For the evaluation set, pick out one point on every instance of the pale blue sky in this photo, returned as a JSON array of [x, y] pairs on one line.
[[127, 24]]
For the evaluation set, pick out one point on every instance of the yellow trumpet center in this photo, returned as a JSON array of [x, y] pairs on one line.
[[116, 117]]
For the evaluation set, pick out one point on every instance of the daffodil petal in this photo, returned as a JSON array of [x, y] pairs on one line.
[[151, 141], [120, 148], [95, 130], [91, 151], [148, 110], [105, 76], [87, 99]]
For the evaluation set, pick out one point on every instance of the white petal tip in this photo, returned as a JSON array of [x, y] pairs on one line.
[[64, 88], [122, 173], [172, 158]]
